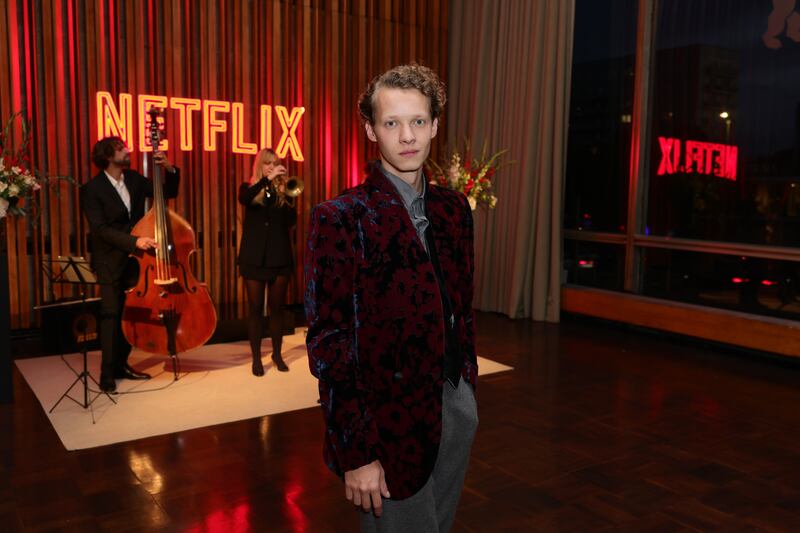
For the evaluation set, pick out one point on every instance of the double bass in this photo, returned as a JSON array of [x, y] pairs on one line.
[[168, 311]]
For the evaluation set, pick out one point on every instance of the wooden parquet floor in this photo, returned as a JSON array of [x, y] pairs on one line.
[[598, 428]]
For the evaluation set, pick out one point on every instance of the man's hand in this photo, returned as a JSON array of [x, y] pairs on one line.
[[146, 243], [161, 160], [364, 487]]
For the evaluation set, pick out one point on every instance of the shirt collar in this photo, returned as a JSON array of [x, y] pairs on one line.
[[408, 193], [114, 182]]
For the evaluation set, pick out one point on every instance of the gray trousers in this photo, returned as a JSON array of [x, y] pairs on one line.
[[433, 508]]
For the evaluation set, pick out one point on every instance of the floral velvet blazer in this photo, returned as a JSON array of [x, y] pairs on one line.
[[375, 326]]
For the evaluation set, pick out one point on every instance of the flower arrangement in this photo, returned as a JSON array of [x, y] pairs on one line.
[[17, 181], [472, 176]]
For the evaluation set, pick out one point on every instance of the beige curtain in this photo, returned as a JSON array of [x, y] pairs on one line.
[[509, 80]]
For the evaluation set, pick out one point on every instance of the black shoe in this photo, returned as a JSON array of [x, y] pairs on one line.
[[258, 368], [129, 373], [279, 364], [107, 384]]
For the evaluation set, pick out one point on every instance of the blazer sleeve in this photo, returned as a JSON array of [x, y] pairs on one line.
[[171, 182], [332, 354], [92, 207], [248, 192]]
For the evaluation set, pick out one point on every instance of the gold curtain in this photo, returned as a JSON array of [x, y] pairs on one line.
[[57, 54]]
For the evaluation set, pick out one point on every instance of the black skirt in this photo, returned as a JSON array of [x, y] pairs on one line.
[[263, 273]]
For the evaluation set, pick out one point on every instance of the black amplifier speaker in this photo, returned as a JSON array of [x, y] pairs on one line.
[[66, 325]]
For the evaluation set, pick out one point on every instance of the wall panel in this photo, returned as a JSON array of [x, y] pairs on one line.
[[58, 53]]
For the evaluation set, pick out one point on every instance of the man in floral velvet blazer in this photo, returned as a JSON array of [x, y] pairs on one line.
[[391, 335]]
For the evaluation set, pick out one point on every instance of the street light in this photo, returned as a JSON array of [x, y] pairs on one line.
[[726, 117]]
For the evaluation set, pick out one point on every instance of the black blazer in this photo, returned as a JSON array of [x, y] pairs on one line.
[[109, 223], [265, 232]]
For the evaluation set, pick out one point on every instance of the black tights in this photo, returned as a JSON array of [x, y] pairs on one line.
[[255, 313]]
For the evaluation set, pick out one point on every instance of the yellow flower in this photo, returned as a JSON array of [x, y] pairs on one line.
[[475, 178]]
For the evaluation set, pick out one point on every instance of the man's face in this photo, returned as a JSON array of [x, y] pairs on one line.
[[403, 130], [122, 157]]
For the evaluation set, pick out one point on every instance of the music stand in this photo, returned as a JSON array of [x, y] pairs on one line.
[[75, 270]]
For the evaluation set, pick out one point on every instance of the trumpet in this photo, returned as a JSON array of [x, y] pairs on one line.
[[287, 189], [292, 185]]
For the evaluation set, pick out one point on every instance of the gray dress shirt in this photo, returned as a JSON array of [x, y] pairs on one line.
[[414, 203]]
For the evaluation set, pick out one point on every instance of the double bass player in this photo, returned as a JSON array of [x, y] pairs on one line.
[[113, 202]]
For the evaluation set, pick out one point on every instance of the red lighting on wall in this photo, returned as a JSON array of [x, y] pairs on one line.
[[216, 116], [697, 157]]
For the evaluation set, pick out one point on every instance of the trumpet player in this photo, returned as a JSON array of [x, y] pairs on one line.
[[265, 253]]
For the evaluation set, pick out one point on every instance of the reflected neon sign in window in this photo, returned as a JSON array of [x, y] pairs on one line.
[[216, 117], [697, 157]]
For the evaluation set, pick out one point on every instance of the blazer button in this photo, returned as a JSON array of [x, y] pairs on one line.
[[398, 376], [266, 223]]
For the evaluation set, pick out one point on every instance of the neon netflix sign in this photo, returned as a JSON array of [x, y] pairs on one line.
[[216, 117], [696, 157]]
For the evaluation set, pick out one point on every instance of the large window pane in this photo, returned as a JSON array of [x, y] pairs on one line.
[[749, 284], [594, 264], [600, 115], [725, 145]]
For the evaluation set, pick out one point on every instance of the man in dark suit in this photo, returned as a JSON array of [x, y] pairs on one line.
[[391, 336], [113, 202]]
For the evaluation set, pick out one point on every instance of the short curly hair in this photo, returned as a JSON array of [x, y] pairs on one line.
[[104, 150], [411, 76]]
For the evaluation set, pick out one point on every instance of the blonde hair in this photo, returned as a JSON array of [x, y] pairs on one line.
[[255, 175]]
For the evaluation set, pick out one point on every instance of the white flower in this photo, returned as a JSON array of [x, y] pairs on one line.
[[452, 175], [16, 182], [493, 202], [2, 164], [472, 203], [3, 207]]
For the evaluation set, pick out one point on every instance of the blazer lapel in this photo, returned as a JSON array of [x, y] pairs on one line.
[[110, 193], [137, 198], [388, 199]]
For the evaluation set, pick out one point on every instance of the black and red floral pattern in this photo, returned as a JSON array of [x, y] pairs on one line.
[[375, 325]]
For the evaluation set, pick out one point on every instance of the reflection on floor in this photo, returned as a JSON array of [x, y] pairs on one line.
[[597, 428]]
